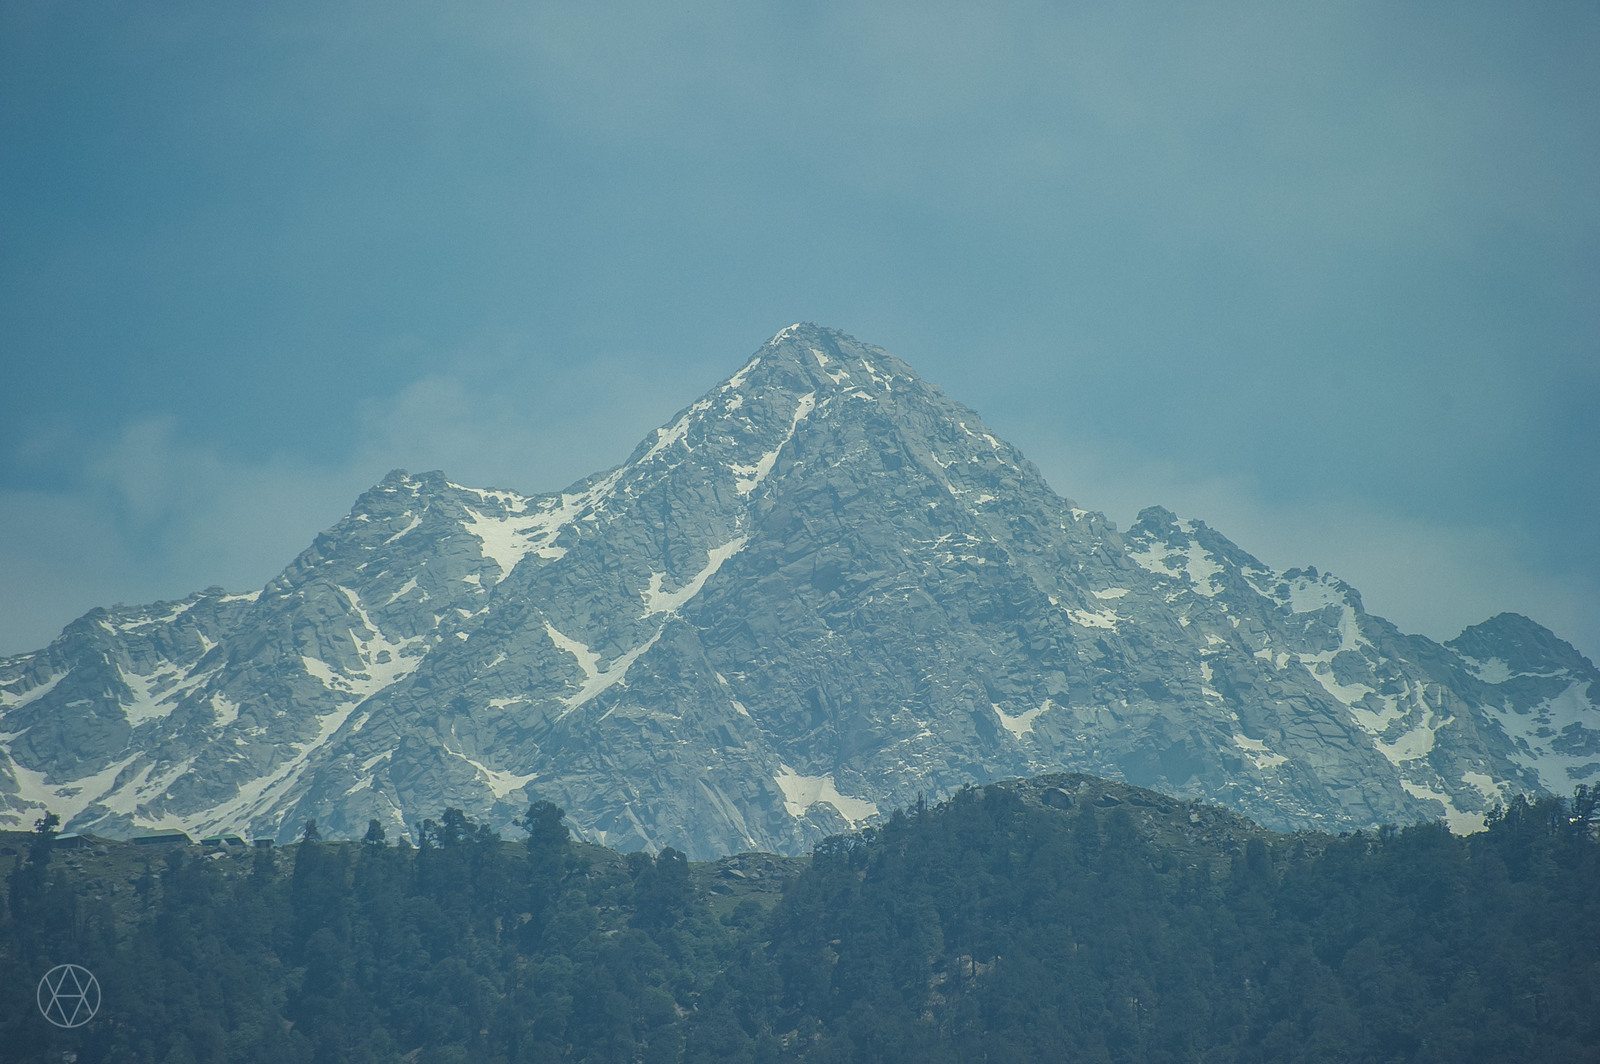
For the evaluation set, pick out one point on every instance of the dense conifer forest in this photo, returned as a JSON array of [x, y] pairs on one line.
[[1058, 919]]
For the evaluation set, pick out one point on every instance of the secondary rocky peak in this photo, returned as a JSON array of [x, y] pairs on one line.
[[1523, 645]]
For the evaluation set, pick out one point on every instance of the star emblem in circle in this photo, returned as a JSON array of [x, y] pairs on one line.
[[69, 995]]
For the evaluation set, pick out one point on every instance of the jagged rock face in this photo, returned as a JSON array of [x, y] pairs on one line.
[[821, 591]]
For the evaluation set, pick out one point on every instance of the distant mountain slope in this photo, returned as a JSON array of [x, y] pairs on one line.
[[820, 591]]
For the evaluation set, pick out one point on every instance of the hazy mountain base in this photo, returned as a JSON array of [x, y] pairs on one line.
[[1059, 918]]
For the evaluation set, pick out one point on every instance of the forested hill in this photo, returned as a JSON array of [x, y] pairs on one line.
[[1054, 919]]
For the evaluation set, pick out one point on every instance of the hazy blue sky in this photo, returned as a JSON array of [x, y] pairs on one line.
[[1324, 276]]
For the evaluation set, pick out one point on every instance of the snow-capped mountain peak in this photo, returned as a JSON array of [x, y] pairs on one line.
[[819, 591]]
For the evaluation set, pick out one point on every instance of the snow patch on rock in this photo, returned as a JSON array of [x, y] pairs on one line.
[[595, 679], [748, 477], [1558, 739], [658, 601], [1021, 724], [800, 793]]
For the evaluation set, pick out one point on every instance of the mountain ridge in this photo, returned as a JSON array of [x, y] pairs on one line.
[[818, 591]]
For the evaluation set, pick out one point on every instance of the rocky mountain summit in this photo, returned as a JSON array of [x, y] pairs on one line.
[[820, 591]]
